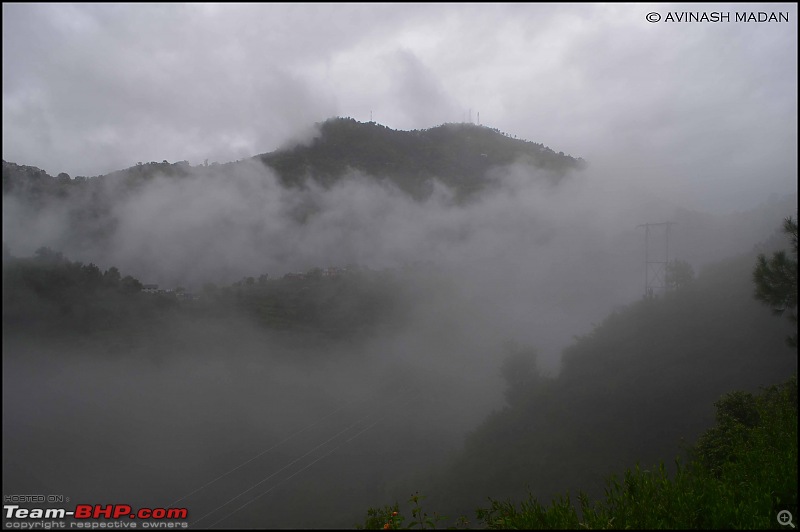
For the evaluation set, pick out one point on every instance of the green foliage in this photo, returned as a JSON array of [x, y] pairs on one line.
[[392, 518], [743, 472], [737, 414], [744, 487], [776, 279], [379, 518]]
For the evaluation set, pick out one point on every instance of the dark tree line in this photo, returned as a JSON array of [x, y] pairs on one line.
[[49, 294]]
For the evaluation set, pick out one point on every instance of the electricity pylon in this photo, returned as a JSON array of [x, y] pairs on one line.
[[656, 258]]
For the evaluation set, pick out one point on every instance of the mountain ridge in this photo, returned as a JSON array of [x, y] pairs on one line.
[[458, 155]]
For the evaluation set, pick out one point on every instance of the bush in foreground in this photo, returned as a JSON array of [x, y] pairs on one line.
[[741, 473]]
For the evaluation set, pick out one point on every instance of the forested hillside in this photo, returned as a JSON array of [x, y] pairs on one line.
[[48, 296], [740, 474], [638, 388], [458, 155]]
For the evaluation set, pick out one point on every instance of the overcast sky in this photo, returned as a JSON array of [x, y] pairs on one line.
[[703, 112]]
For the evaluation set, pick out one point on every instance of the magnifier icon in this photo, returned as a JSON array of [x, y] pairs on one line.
[[785, 518]]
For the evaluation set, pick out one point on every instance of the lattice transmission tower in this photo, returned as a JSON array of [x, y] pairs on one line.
[[656, 257]]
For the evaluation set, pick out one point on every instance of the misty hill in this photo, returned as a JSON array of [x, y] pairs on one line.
[[49, 297], [632, 390], [458, 155], [38, 189], [96, 219]]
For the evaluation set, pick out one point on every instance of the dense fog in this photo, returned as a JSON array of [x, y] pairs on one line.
[[217, 414], [543, 261], [365, 266]]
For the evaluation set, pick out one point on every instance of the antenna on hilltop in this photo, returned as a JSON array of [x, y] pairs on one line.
[[370, 115], [655, 263]]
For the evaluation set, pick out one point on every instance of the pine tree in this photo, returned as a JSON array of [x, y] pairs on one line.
[[776, 279]]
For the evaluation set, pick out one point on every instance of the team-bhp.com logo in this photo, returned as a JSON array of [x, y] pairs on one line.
[[95, 511]]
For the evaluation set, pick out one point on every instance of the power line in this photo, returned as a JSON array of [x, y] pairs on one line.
[[300, 458], [272, 475], [326, 416]]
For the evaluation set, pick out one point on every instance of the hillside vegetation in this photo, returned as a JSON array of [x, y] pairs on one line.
[[636, 390], [48, 296], [742, 474], [458, 155]]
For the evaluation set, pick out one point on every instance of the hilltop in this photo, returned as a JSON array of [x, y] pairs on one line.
[[460, 156]]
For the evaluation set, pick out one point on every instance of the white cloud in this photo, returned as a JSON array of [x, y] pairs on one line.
[[89, 89]]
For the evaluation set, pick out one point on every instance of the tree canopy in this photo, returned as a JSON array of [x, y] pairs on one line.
[[776, 279]]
